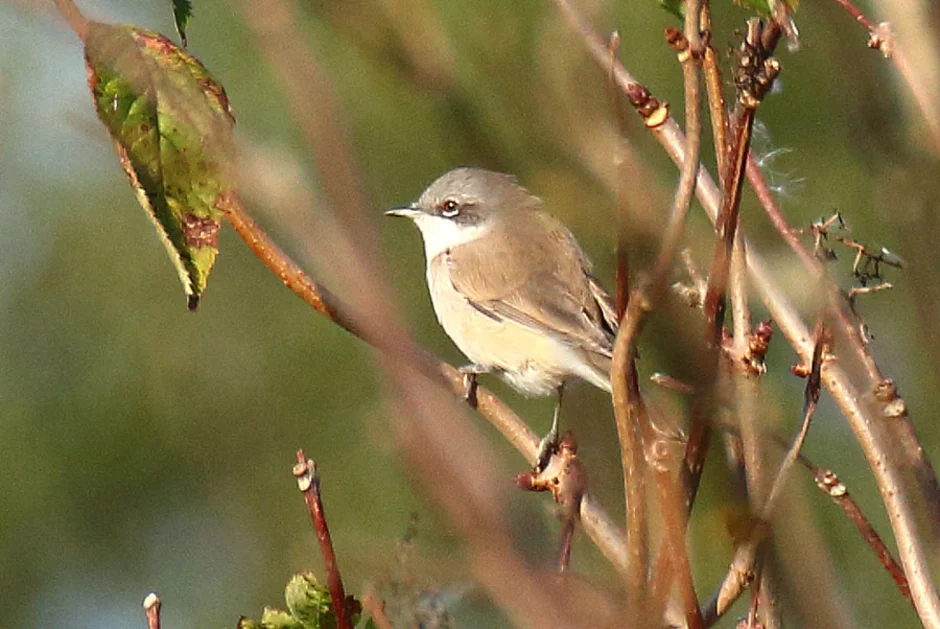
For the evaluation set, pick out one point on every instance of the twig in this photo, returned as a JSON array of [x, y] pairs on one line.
[[810, 400], [756, 71], [857, 14], [744, 375], [152, 606], [881, 38], [901, 430], [75, 19], [671, 496], [628, 405], [716, 99], [308, 480], [626, 402], [565, 477], [878, 453], [743, 566], [829, 483], [622, 276]]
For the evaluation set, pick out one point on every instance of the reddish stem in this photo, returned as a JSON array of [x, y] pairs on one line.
[[309, 482]]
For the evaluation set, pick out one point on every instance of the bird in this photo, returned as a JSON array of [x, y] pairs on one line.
[[512, 287]]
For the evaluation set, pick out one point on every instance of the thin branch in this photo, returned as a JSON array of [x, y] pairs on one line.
[[74, 17], [829, 483], [308, 480], [902, 430], [756, 71], [626, 402], [716, 99], [622, 276], [628, 405], [152, 606], [745, 561], [878, 453], [810, 400], [565, 477], [671, 496], [881, 38]]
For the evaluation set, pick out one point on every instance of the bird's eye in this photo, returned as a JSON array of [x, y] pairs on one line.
[[450, 208]]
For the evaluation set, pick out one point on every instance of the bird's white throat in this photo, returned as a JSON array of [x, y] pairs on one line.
[[443, 234]]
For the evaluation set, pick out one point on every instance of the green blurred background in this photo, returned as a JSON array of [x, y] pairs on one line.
[[143, 447]]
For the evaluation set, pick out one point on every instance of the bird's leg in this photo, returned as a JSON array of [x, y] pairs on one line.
[[470, 373], [549, 443]]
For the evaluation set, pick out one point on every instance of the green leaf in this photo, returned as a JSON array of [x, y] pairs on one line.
[[278, 619], [172, 128], [182, 11], [309, 602]]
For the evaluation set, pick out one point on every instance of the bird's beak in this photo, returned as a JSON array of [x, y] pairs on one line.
[[408, 211]]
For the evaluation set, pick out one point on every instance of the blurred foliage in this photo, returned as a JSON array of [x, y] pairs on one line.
[[128, 466]]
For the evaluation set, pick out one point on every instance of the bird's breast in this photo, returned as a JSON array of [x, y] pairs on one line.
[[531, 360]]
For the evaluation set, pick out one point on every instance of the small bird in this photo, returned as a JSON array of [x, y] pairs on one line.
[[511, 286]]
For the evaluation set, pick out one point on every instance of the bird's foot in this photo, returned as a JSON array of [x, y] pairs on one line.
[[470, 373]]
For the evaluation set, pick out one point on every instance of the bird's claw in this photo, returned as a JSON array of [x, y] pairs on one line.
[[470, 373], [548, 447]]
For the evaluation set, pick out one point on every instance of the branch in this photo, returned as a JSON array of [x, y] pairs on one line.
[[829, 483], [888, 474], [632, 424], [901, 429], [308, 480], [881, 38], [76, 22], [152, 606]]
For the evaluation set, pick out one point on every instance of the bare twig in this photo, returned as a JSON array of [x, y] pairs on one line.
[[622, 276], [566, 478], [628, 405], [881, 38], [744, 564], [857, 14], [152, 606], [901, 430], [308, 480], [810, 400], [829, 483], [878, 453], [744, 376], [716, 99], [74, 17]]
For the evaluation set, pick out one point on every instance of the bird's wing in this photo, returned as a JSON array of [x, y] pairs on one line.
[[606, 305], [529, 284]]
